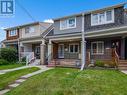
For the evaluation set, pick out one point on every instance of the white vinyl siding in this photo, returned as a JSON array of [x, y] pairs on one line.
[[97, 47], [68, 23], [102, 18], [13, 32]]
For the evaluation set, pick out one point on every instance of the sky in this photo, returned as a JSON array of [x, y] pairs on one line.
[[42, 10]]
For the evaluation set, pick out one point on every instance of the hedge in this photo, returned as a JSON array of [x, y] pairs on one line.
[[9, 54]]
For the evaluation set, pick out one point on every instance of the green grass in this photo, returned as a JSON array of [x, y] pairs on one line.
[[10, 66], [10, 77], [61, 81]]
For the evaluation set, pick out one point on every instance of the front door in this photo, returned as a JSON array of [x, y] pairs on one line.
[[37, 52], [125, 48], [61, 51]]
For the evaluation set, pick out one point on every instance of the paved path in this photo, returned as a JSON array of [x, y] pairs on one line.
[[19, 68], [124, 71], [24, 78]]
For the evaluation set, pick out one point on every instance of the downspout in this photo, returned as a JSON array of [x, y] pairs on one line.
[[83, 44], [19, 51]]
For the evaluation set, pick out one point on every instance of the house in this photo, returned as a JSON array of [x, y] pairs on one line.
[[72, 40], [105, 29], [27, 39]]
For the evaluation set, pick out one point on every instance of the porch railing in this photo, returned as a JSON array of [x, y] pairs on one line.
[[29, 56], [115, 56], [109, 54]]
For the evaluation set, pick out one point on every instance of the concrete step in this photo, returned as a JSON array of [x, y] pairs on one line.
[[2, 92], [20, 80], [123, 62], [13, 85], [122, 68], [122, 65]]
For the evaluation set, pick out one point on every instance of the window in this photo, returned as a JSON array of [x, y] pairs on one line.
[[97, 47], [73, 48], [68, 23], [102, 18], [95, 19], [63, 24], [29, 29], [13, 32], [109, 15]]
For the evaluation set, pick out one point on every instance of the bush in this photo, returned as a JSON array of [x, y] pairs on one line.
[[99, 63], [9, 54], [3, 62], [23, 59], [110, 64]]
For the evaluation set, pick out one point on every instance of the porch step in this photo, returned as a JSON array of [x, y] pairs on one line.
[[63, 63], [122, 65]]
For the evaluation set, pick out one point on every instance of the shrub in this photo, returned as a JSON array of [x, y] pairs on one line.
[[23, 59], [3, 62], [9, 54], [99, 63], [110, 64]]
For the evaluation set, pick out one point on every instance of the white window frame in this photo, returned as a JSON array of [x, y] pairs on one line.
[[105, 18], [74, 47], [68, 27], [11, 34], [97, 52], [29, 27]]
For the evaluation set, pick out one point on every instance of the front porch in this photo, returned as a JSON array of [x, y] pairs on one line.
[[68, 52], [34, 51]]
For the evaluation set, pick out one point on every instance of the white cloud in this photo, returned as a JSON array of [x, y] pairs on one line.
[[49, 21], [2, 28]]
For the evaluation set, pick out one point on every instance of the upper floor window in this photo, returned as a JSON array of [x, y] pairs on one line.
[[68, 23], [102, 18], [29, 30], [13, 32]]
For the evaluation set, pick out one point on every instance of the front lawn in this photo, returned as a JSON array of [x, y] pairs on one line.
[[10, 66], [61, 81], [10, 77]]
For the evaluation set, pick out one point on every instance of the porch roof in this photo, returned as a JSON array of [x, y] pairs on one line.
[[118, 31]]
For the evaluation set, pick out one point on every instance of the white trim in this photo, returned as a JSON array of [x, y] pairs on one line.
[[102, 42], [74, 47], [67, 23], [48, 32], [105, 18]]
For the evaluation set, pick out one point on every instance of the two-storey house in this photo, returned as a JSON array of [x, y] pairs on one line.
[[27, 39], [104, 31], [12, 38]]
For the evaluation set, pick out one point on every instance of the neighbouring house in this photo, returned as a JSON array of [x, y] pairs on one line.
[[27, 39], [105, 29]]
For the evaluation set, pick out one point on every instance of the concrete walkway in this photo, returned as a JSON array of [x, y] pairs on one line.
[[19, 68], [124, 71], [24, 78]]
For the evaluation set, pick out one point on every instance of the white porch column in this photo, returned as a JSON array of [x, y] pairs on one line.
[[49, 50], [42, 52]]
